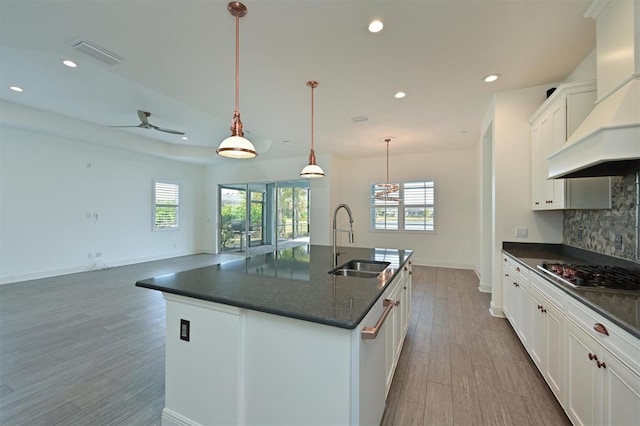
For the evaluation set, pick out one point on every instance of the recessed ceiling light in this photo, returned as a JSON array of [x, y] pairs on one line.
[[376, 26], [16, 89], [70, 63], [491, 77], [399, 95], [184, 138]]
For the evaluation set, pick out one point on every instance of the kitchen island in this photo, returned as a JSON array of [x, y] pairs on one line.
[[276, 339]]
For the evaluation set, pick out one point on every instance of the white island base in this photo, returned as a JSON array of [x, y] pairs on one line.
[[247, 367]]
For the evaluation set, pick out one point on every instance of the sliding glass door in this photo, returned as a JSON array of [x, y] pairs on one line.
[[293, 212], [262, 217]]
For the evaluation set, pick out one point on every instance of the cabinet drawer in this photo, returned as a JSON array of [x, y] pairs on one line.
[[549, 291], [616, 340], [519, 273]]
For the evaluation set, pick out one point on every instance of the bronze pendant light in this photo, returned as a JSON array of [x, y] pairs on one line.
[[312, 170], [236, 146], [390, 191]]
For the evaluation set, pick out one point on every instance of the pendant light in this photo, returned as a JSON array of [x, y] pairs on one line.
[[389, 191], [312, 170], [236, 146]]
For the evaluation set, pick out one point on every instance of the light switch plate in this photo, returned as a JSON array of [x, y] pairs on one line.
[[521, 231], [185, 330]]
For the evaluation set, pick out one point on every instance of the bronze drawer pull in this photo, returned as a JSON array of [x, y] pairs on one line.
[[600, 328], [372, 332], [601, 364], [593, 356]]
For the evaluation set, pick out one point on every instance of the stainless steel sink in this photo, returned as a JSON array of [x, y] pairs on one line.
[[360, 268], [354, 273]]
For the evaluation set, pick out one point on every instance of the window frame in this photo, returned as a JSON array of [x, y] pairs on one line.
[[401, 207], [155, 205]]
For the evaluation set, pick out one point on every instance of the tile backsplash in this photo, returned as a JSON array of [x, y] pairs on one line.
[[597, 230]]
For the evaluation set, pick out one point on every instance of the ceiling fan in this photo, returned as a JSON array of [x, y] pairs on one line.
[[144, 124]]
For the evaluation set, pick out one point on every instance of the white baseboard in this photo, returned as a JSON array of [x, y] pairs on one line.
[[423, 262], [103, 264], [496, 311], [171, 418], [485, 287]]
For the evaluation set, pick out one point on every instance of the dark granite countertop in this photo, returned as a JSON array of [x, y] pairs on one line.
[[622, 308], [292, 282]]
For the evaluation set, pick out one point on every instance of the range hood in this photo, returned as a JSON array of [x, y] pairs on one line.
[[607, 143]]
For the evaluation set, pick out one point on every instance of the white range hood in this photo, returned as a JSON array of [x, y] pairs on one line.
[[607, 143]]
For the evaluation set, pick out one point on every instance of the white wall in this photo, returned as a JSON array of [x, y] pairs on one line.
[[48, 187], [455, 242], [511, 151]]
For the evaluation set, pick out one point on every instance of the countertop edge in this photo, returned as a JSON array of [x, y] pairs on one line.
[[622, 324]]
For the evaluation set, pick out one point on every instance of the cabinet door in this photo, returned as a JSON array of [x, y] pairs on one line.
[[372, 372], [506, 289], [547, 137], [559, 118], [621, 393], [583, 379], [554, 359], [536, 168], [537, 329]]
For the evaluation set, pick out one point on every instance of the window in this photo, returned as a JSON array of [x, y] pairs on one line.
[[413, 211], [166, 205]]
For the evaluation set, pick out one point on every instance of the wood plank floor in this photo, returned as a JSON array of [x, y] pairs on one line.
[[88, 349]]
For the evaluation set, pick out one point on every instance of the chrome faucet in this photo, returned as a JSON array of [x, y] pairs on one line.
[[335, 230]]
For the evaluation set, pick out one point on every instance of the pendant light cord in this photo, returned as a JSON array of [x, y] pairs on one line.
[[237, 62], [387, 140], [312, 118]]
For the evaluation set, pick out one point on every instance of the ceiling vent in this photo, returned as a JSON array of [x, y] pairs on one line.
[[97, 52]]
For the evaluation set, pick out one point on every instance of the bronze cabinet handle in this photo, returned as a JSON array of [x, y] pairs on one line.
[[601, 364], [539, 306], [593, 356], [372, 332], [600, 328], [517, 269]]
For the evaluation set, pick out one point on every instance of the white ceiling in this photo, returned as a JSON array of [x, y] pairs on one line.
[[180, 59]]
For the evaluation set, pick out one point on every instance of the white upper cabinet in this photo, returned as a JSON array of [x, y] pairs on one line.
[[551, 125]]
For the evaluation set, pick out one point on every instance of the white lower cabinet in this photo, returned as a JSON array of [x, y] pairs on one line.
[[515, 282], [591, 365], [398, 322], [546, 338], [601, 390]]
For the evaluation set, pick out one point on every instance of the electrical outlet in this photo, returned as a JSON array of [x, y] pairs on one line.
[[580, 234], [617, 240], [90, 255], [185, 330], [522, 231]]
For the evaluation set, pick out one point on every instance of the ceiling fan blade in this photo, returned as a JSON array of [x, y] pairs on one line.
[[175, 132], [144, 116]]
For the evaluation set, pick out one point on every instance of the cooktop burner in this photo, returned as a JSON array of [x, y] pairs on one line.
[[594, 276]]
